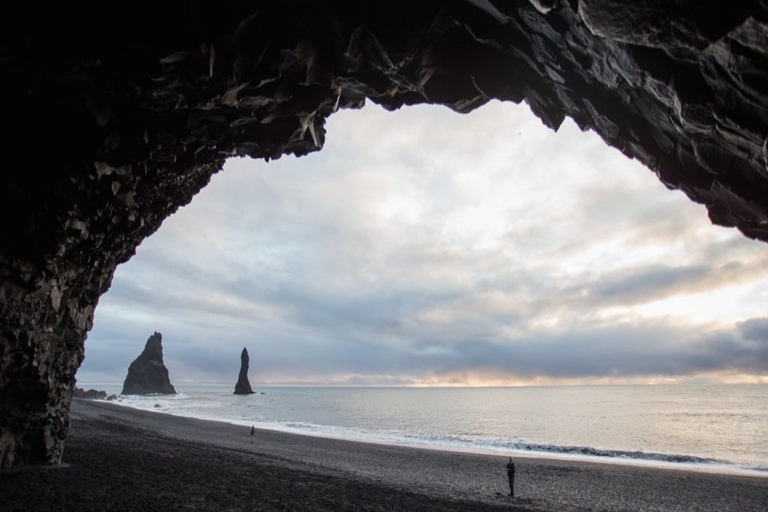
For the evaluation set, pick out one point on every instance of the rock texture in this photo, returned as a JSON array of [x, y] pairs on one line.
[[243, 386], [147, 374], [117, 116], [91, 394]]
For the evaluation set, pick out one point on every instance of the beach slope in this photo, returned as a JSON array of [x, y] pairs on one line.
[[124, 459]]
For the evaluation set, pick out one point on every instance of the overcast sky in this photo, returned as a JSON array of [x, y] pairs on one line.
[[425, 247]]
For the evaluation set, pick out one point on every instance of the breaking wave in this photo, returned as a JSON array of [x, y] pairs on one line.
[[485, 444]]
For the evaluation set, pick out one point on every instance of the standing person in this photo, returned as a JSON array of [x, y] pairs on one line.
[[511, 476], [253, 433]]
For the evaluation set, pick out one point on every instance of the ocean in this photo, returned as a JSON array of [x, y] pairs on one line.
[[718, 428]]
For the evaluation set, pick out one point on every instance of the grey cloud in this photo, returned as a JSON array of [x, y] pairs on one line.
[[629, 351], [755, 329], [636, 285], [655, 282]]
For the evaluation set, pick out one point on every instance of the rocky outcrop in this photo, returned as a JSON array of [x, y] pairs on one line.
[[147, 374], [91, 394], [243, 386], [117, 117]]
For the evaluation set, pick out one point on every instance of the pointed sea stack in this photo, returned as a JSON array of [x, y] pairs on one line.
[[243, 387], [147, 373]]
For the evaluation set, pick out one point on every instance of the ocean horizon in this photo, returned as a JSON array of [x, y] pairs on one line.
[[721, 428]]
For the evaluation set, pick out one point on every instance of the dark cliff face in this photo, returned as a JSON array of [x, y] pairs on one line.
[[116, 118], [147, 374], [243, 386]]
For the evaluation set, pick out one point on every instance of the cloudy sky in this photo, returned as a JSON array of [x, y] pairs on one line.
[[425, 247]]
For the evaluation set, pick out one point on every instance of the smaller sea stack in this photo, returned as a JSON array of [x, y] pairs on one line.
[[147, 374], [243, 387]]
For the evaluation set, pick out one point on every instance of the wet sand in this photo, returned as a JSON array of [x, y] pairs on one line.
[[118, 458]]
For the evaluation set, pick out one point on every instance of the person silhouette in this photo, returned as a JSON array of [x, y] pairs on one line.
[[511, 476], [253, 433]]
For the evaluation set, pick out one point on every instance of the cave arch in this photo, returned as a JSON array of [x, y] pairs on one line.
[[416, 237], [118, 118]]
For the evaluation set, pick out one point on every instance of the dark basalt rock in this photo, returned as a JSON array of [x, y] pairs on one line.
[[117, 117], [243, 387], [91, 394], [147, 374]]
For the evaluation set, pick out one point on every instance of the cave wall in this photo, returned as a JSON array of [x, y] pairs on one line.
[[116, 118]]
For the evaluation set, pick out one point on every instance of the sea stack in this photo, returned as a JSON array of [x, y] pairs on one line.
[[147, 374], [243, 387]]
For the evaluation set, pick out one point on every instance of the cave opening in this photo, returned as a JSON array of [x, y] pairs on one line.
[[120, 118], [424, 247]]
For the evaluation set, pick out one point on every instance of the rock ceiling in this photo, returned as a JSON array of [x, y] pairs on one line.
[[114, 119]]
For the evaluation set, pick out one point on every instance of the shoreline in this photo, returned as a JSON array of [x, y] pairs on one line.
[[725, 468], [118, 458]]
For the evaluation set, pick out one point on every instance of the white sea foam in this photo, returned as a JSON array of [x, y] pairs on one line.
[[693, 429]]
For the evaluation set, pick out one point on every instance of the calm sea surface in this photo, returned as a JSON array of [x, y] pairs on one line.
[[712, 427]]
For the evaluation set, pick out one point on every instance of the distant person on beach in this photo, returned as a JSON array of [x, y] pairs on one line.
[[511, 476], [253, 433]]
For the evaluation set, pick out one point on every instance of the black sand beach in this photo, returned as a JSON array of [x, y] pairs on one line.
[[122, 459]]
